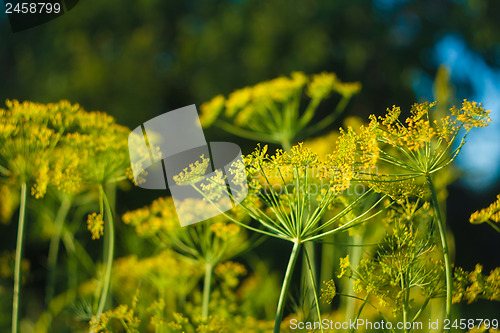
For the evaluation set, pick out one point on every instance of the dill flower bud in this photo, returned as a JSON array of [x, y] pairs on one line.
[[230, 272], [328, 292], [95, 224]]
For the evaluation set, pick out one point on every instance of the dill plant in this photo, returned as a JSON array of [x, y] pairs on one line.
[[409, 153], [60, 146], [281, 199], [403, 262]]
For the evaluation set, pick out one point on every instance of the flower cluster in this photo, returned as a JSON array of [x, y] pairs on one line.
[[291, 191], [213, 241], [61, 145], [122, 314], [474, 285], [490, 215], [270, 111], [95, 224], [396, 157], [403, 261]]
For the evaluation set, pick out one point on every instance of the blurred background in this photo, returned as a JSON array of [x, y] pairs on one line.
[[139, 59]]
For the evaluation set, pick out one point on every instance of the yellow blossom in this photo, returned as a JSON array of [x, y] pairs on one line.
[[95, 224]]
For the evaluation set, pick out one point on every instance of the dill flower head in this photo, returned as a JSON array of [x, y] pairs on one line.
[[121, 314], [214, 240], [329, 292], [102, 147], [60, 144], [474, 285], [393, 150], [490, 215], [27, 136], [271, 111], [291, 191], [492, 212], [193, 173]]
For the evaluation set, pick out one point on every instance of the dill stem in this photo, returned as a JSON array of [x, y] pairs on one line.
[[17, 265], [206, 290], [110, 244], [313, 283], [444, 243], [286, 285], [355, 257], [55, 240], [406, 288]]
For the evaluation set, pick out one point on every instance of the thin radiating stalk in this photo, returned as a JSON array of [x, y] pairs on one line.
[[206, 290], [286, 285], [17, 267], [444, 244], [110, 235], [54, 248]]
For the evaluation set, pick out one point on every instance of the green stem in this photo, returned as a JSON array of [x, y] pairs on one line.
[[355, 258], [17, 267], [110, 234], [286, 285], [54, 248], [313, 284], [206, 290], [493, 226], [308, 268], [444, 243], [244, 133], [286, 144], [365, 301], [406, 289], [328, 120]]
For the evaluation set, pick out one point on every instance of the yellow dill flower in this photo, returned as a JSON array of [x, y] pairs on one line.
[[474, 285], [211, 110], [159, 217], [293, 183], [344, 266], [270, 110], [121, 314], [159, 221], [321, 85], [60, 144], [25, 143], [471, 114], [417, 146], [95, 224], [237, 100], [193, 173], [225, 230], [230, 272], [329, 292], [347, 89], [490, 215]]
